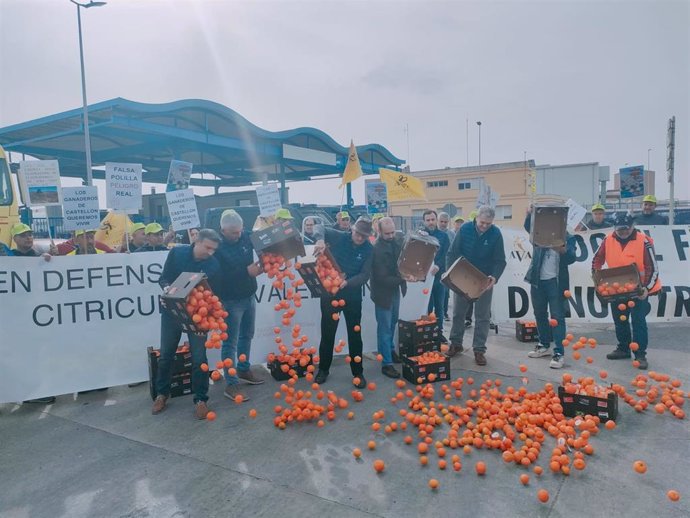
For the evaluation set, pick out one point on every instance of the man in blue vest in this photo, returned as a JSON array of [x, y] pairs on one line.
[[481, 243]]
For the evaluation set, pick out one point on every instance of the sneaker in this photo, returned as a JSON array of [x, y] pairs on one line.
[[321, 377], [540, 351], [454, 349], [201, 410], [618, 354], [159, 404], [250, 378], [362, 382], [396, 357], [479, 358], [468, 323], [232, 391], [643, 363], [390, 371], [556, 361], [42, 400]]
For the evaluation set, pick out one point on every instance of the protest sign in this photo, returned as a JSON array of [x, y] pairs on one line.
[[377, 197], [40, 181], [268, 198], [575, 214], [178, 175], [182, 209], [123, 187], [80, 208]]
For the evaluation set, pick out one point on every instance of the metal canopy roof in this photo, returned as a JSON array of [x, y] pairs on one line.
[[224, 146]]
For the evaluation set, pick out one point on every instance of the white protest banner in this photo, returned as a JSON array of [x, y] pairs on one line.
[[85, 321], [80, 208], [123, 187], [575, 214], [182, 209], [178, 175], [511, 299], [268, 198], [40, 181]]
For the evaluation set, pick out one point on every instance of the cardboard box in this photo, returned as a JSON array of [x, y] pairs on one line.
[[548, 226], [282, 238], [417, 256], [526, 331], [577, 404], [174, 302], [307, 269], [410, 334], [465, 279], [621, 275], [418, 374], [275, 368], [181, 381]]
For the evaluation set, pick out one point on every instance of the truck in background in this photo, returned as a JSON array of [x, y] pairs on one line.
[[9, 206]]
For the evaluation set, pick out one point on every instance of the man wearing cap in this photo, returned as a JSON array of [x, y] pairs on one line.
[[481, 243], [85, 243], [283, 215], [599, 219], [137, 236], [624, 246], [197, 257], [457, 223], [23, 237], [342, 221], [155, 235], [649, 216], [70, 245], [438, 290], [353, 253], [237, 292]]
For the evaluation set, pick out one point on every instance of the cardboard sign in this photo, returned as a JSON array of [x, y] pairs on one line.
[[40, 181], [123, 187], [182, 209], [377, 198], [268, 198], [178, 175], [80, 208], [576, 213]]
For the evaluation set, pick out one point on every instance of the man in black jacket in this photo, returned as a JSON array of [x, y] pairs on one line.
[[386, 286], [353, 253], [186, 258]]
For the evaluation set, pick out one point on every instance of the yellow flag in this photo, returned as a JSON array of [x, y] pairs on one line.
[[352, 169], [112, 229], [402, 186]]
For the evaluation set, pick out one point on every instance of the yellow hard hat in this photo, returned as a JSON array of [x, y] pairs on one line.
[[650, 198], [19, 228], [153, 228], [137, 226], [598, 206], [283, 214]]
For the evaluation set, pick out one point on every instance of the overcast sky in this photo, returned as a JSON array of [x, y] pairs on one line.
[[567, 82]]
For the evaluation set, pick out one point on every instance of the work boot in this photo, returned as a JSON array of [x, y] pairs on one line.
[[643, 365], [250, 377], [390, 371], [454, 350], [362, 382], [159, 404], [321, 377], [619, 354], [201, 410], [479, 358], [232, 391]]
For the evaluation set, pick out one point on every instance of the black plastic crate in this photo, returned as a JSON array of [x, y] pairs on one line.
[[418, 374], [174, 301], [409, 349], [411, 334], [181, 383], [279, 375], [526, 331], [577, 404]]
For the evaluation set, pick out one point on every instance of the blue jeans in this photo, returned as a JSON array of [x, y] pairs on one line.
[[386, 322], [482, 320], [240, 321], [170, 339], [637, 316], [547, 297], [438, 294]]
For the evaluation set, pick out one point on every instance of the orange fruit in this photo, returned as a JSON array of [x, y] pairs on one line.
[[567, 294], [634, 346], [523, 368], [357, 329], [203, 367], [640, 466], [357, 453], [543, 495], [211, 416], [379, 465], [252, 413], [673, 495], [610, 425], [425, 291], [480, 467], [538, 470], [623, 318], [371, 445], [524, 478], [239, 398], [433, 483]]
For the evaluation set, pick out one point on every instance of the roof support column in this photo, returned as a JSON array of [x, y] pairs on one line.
[[283, 194]]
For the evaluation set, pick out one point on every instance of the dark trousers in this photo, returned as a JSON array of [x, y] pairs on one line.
[[635, 317], [548, 298], [445, 301], [353, 316], [438, 293], [170, 338]]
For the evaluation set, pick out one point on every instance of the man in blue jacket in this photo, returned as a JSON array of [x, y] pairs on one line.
[[353, 252], [186, 258], [548, 278], [481, 243]]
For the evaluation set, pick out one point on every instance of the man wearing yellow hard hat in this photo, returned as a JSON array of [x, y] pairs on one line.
[[85, 243], [155, 235], [599, 219], [649, 215], [342, 221], [283, 215]]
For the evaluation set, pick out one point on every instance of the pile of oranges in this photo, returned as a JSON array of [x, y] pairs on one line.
[[428, 358], [615, 288], [329, 275], [206, 310], [426, 320]]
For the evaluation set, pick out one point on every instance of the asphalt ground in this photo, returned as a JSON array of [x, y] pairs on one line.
[[104, 454]]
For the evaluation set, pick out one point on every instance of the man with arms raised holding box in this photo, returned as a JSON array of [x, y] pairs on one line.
[[625, 246], [480, 242], [186, 258]]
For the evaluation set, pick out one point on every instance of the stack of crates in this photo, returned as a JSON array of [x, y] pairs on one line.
[[416, 338], [181, 382]]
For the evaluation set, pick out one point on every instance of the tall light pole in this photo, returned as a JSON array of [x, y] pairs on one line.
[[479, 125], [648, 162], [87, 136]]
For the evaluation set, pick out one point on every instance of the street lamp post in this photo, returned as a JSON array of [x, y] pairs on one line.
[[648, 162], [87, 136], [479, 125]]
